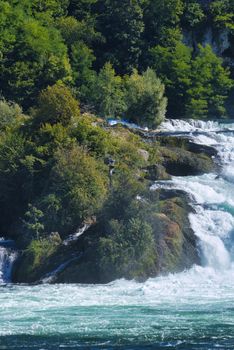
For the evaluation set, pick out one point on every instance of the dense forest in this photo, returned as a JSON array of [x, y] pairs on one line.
[[117, 57], [68, 66]]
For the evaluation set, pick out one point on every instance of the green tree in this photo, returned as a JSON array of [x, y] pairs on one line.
[[56, 105], [80, 186], [34, 55], [16, 177], [193, 14], [210, 86], [108, 94], [84, 76], [222, 12], [11, 115], [54, 8], [74, 31], [7, 28], [159, 17], [173, 66], [32, 222], [82, 9], [145, 98], [121, 24]]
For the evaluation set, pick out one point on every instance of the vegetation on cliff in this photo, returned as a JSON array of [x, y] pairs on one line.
[[65, 68]]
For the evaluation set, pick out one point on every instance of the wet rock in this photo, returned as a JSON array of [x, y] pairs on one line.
[[180, 162], [196, 148], [156, 172]]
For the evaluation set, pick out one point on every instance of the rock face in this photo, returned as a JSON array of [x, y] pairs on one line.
[[179, 162], [178, 249], [218, 38]]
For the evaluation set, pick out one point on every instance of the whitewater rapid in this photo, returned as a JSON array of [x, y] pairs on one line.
[[7, 258], [212, 195], [190, 310]]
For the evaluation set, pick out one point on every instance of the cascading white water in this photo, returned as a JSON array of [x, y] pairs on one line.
[[7, 258], [192, 310], [211, 196]]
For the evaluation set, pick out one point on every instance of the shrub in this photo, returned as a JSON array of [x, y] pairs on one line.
[[56, 105], [79, 185], [128, 250], [10, 115], [108, 94], [145, 99]]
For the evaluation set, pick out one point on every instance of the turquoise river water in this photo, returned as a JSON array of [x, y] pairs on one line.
[[190, 310]]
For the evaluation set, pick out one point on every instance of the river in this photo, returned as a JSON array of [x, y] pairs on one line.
[[190, 310]]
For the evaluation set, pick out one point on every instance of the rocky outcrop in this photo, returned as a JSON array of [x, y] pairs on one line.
[[156, 172], [174, 240], [179, 248], [175, 249], [180, 162], [166, 213]]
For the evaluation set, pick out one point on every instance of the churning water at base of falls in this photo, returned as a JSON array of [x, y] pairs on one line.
[[190, 310]]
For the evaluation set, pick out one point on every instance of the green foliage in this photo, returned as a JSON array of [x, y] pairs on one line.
[[43, 42], [10, 115], [121, 23], [34, 54], [145, 99], [84, 76], [123, 196], [92, 137], [108, 94], [127, 251], [79, 184], [55, 8], [56, 105], [222, 12], [196, 87], [36, 255], [32, 222], [8, 35], [15, 177], [81, 9], [52, 154], [210, 86], [51, 208], [194, 14], [173, 65], [74, 31], [161, 16]]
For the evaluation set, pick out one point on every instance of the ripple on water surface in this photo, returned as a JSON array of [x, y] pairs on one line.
[[191, 310]]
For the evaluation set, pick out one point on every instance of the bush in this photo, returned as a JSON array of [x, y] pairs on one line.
[[33, 222], [145, 99], [10, 115], [128, 250], [108, 94], [79, 186], [56, 105]]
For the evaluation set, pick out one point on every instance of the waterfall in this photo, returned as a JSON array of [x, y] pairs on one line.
[[7, 258], [211, 196]]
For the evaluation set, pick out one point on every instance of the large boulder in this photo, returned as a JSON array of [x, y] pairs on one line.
[[181, 162]]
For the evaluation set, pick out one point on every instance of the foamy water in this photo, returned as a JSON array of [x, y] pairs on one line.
[[190, 310]]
